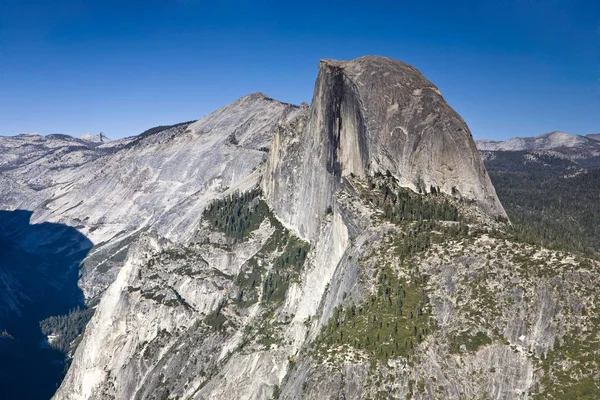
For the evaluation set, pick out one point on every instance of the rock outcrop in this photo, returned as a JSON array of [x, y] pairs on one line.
[[99, 138], [161, 181], [368, 115], [355, 251]]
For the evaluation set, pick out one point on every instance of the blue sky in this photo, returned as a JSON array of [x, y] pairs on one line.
[[509, 67]]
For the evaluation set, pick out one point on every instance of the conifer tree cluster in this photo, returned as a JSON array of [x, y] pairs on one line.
[[237, 214], [558, 212], [401, 204], [419, 236], [66, 327], [388, 323], [286, 268]]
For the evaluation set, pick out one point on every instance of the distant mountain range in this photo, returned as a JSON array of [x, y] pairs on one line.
[[547, 141], [568, 150]]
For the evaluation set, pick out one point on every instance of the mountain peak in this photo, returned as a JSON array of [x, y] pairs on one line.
[[256, 96], [558, 134], [375, 114], [394, 119], [99, 138]]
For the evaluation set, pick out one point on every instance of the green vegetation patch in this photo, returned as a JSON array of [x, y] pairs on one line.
[[267, 275], [551, 210], [472, 343], [387, 324], [396, 318], [66, 327], [216, 319], [427, 218], [286, 269], [571, 368], [248, 281], [584, 389], [286, 253], [401, 204], [238, 214], [420, 235]]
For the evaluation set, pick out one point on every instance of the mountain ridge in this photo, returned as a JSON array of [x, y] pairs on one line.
[[546, 141], [320, 160], [352, 248]]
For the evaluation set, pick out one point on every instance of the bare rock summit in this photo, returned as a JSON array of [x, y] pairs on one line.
[[374, 114]]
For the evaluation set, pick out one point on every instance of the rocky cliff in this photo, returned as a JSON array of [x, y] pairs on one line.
[[369, 115], [99, 138], [111, 192], [350, 249]]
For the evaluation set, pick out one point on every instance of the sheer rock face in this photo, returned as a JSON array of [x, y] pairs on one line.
[[151, 335], [155, 333], [368, 115], [113, 191]]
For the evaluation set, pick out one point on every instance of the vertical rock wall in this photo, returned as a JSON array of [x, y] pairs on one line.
[[368, 115]]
